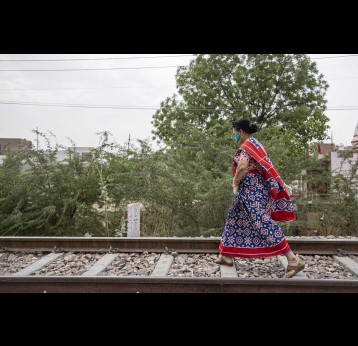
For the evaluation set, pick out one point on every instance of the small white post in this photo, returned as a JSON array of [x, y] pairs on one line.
[[133, 220]]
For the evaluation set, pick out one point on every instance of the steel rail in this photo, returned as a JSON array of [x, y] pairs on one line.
[[95, 284], [161, 244]]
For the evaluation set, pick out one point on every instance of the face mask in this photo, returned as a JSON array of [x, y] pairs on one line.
[[237, 137]]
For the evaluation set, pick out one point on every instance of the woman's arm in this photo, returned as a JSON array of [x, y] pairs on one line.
[[240, 170]]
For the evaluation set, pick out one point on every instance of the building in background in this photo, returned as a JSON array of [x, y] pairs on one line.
[[355, 138], [13, 145], [342, 158], [334, 160], [83, 153]]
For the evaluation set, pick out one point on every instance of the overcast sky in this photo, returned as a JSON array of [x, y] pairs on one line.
[[126, 82]]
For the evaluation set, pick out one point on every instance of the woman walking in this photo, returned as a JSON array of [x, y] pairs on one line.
[[261, 197]]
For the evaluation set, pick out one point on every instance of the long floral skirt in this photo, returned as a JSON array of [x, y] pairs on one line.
[[249, 229]]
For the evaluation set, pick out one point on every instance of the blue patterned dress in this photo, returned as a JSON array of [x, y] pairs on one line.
[[249, 230]]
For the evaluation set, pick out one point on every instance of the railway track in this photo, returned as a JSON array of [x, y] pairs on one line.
[[163, 265]]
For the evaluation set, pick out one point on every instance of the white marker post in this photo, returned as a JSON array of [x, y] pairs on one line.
[[133, 220]]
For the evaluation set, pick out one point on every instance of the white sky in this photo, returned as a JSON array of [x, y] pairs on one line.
[[128, 87]]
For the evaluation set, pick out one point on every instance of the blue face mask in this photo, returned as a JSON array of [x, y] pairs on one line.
[[237, 137]]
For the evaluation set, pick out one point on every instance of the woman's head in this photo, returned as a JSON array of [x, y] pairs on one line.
[[244, 125]]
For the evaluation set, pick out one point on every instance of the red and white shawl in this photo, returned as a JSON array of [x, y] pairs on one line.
[[281, 207]]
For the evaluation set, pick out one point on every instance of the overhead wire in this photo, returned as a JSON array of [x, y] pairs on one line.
[[91, 69], [99, 59], [136, 107], [144, 57], [122, 87], [118, 68], [335, 57], [111, 87]]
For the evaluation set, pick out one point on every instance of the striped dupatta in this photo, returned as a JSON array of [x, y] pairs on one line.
[[281, 207]]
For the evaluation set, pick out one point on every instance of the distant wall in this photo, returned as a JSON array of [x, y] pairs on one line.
[[12, 144]]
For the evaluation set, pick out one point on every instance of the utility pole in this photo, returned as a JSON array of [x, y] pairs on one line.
[[129, 140], [37, 139]]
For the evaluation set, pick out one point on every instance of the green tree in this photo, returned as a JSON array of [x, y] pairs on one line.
[[344, 199], [281, 91]]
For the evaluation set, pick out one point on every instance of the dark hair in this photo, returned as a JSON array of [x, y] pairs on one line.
[[245, 125]]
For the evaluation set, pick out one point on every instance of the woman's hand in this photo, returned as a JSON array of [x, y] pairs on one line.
[[288, 189], [235, 182], [234, 189]]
